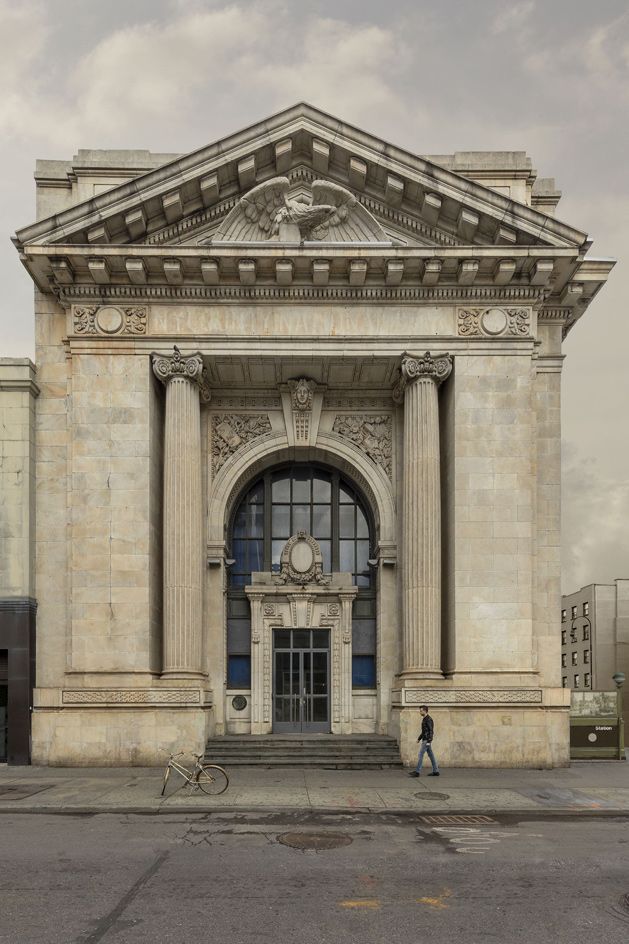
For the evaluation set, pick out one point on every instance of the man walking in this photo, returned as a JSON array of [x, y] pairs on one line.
[[425, 739]]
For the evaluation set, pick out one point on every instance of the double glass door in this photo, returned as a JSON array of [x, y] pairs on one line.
[[301, 681]]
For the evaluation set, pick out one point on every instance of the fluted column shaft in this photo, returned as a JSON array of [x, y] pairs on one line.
[[421, 516], [183, 513]]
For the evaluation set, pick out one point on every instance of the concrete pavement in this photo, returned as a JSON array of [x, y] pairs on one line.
[[601, 787]]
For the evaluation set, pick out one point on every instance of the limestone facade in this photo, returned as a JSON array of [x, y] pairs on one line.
[[299, 296]]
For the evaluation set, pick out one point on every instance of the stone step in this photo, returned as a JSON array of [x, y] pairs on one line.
[[358, 751]]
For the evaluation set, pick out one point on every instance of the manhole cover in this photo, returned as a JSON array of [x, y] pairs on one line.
[[432, 796], [20, 791], [316, 841], [459, 820]]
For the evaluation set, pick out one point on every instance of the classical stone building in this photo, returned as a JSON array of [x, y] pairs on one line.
[[297, 445]]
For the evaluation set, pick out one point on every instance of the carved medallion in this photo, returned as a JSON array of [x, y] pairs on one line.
[[493, 322], [372, 434], [108, 319], [301, 561], [231, 431]]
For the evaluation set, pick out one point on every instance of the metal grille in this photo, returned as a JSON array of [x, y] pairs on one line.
[[459, 820]]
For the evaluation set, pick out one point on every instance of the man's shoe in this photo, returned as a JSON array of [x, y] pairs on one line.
[[435, 773], [413, 773]]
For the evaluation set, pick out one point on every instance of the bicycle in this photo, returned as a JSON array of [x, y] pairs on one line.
[[210, 778]]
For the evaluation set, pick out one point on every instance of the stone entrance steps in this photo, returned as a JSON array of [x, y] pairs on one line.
[[339, 751]]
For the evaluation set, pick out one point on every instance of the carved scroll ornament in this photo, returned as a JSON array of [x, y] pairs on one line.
[[416, 367], [230, 431], [372, 434], [168, 367]]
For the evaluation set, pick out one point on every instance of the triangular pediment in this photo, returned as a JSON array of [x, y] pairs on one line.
[[411, 200]]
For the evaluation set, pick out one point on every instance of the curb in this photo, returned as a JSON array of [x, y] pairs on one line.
[[526, 813]]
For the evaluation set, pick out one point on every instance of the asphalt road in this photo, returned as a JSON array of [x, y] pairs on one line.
[[129, 879]]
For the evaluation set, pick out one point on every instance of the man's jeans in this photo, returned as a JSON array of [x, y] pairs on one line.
[[426, 748]]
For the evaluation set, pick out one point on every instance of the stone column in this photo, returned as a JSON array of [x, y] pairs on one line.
[[184, 378], [421, 513]]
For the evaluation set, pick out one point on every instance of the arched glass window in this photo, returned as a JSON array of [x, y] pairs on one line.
[[280, 503]]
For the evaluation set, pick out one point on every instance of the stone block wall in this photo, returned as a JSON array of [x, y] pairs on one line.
[[110, 514]]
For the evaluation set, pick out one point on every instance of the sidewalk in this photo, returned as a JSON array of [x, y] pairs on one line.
[[601, 786]]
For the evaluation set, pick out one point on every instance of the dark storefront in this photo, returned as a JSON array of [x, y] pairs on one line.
[[17, 678]]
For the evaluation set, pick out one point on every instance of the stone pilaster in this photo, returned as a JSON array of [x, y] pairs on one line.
[[184, 378], [421, 513]]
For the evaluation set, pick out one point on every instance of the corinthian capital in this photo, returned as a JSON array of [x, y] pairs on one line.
[[417, 367], [167, 367]]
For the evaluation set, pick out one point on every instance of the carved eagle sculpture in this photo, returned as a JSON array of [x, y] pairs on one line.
[[267, 212], [277, 215]]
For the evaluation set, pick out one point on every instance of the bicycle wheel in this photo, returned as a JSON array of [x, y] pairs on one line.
[[212, 779], [166, 776]]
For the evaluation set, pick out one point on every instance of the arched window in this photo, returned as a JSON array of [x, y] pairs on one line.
[[323, 503]]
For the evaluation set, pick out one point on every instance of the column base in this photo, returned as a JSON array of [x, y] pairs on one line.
[[410, 676], [181, 674]]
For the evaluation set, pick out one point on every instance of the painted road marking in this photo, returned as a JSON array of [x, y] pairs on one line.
[[472, 840]]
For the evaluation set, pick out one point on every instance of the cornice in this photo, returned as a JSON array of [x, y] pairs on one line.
[[272, 293]]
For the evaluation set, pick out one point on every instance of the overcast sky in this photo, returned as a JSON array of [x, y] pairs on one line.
[[547, 76]]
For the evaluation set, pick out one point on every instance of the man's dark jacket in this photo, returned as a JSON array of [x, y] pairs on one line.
[[428, 729]]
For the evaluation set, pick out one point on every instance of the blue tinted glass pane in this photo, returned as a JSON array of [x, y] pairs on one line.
[[276, 550], [239, 551], [280, 488], [321, 488], [362, 531], [362, 556], [240, 580], [301, 518], [326, 553], [239, 672], [362, 581], [280, 521], [256, 494], [256, 555], [301, 486], [363, 671], [249, 521], [321, 521], [346, 557], [346, 521]]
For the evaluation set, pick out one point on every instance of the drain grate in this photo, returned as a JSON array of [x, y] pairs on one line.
[[316, 841], [459, 820], [432, 796]]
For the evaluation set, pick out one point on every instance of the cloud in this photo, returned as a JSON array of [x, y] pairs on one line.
[[199, 65], [594, 522]]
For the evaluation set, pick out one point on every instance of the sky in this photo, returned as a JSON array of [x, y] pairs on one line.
[[550, 77]]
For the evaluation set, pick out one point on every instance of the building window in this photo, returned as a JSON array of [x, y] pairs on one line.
[[563, 660], [574, 658], [586, 608], [563, 637], [576, 681], [564, 682], [564, 616], [586, 656], [586, 633], [280, 503], [573, 634], [586, 680], [574, 612]]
